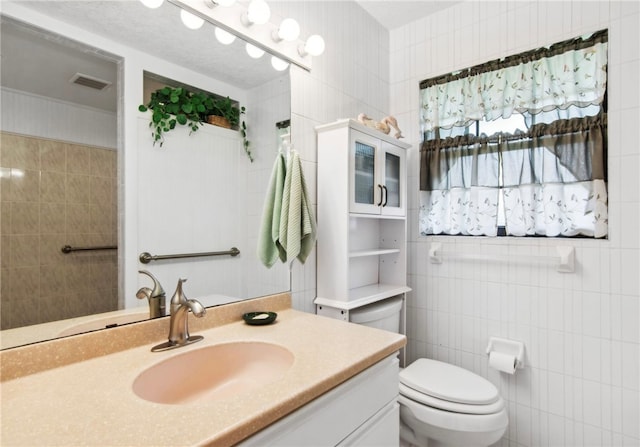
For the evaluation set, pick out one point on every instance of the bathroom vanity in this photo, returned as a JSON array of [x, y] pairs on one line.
[[339, 388]]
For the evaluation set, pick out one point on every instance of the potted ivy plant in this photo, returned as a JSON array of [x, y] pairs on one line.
[[220, 111], [172, 106]]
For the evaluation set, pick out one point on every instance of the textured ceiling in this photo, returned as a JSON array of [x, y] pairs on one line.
[[158, 32]]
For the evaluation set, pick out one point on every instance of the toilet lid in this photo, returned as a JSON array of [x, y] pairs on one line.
[[451, 407], [448, 382]]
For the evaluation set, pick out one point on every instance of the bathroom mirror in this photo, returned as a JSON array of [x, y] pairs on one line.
[[159, 33]]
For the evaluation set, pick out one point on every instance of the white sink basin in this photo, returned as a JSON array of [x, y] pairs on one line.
[[214, 372]]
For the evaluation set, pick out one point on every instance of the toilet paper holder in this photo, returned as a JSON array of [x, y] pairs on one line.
[[509, 347]]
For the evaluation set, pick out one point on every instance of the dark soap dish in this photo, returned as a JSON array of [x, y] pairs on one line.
[[259, 318]]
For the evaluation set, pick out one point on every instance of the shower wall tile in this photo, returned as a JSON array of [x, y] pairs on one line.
[[53, 156], [25, 218], [52, 218], [53, 187], [78, 159], [581, 330], [25, 187], [53, 194]]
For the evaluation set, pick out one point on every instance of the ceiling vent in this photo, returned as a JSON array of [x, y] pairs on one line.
[[89, 81]]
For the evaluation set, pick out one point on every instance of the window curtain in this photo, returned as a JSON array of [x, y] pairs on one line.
[[554, 181], [550, 178], [462, 180]]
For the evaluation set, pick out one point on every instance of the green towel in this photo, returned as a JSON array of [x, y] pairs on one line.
[[268, 239], [297, 224]]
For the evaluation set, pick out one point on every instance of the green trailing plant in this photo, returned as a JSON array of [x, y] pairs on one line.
[[225, 108], [172, 106]]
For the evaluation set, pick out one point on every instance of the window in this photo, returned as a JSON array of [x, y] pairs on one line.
[[518, 146]]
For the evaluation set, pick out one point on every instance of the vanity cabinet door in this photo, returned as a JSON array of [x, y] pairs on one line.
[[351, 411], [382, 430]]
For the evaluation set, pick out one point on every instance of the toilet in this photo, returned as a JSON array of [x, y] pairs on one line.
[[440, 404]]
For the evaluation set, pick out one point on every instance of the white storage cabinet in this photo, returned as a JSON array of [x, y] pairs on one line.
[[362, 229]]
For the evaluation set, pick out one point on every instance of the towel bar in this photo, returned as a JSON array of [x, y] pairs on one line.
[[146, 257], [68, 248]]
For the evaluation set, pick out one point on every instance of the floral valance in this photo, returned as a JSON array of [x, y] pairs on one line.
[[576, 77]]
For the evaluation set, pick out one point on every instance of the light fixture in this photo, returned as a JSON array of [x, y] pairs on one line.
[[153, 4], [191, 21], [254, 51], [224, 37], [289, 30], [258, 12], [278, 64], [314, 46], [250, 20]]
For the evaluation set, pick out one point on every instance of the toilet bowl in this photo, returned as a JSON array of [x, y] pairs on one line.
[[445, 405], [440, 404]]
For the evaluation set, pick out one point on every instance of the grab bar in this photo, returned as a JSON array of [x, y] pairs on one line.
[[146, 257], [68, 248]]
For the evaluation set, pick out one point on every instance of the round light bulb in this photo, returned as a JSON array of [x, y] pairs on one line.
[[289, 30], [224, 37], [314, 45], [254, 51], [258, 12], [278, 64], [153, 4], [190, 21]]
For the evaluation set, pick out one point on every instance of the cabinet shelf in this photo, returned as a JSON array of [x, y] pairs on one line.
[[376, 217], [362, 296], [373, 252]]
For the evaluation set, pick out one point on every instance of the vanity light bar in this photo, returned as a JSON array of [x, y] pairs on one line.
[[229, 18]]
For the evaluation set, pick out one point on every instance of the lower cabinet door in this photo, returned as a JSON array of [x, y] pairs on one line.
[[339, 414], [382, 430]]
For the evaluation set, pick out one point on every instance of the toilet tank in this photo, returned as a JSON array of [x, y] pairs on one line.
[[383, 314]]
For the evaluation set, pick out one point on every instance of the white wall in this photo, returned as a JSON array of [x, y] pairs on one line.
[[582, 382], [351, 77], [267, 105], [57, 120]]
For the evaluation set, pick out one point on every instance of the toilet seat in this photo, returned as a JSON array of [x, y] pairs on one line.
[[450, 388], [445, 405]]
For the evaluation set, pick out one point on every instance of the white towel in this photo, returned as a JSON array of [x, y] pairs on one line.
[[297, 224]]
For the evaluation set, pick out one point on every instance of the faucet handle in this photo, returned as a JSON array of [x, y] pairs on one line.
[[155, 296], [157, 288]]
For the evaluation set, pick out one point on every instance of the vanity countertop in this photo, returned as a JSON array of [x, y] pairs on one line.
[[91, 402]]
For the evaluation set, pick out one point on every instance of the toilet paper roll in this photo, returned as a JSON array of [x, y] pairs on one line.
[[503, 362]]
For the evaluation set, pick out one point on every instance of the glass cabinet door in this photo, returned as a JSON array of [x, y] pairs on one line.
[[392, 176], [364, 173], [392, 180], [365, 190], [377, 173]]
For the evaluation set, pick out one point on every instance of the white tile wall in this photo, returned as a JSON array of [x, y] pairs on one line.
[[581, 330], [351, 77]]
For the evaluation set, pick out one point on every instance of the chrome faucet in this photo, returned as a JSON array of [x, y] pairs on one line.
[[156, 296], [179, 323]]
